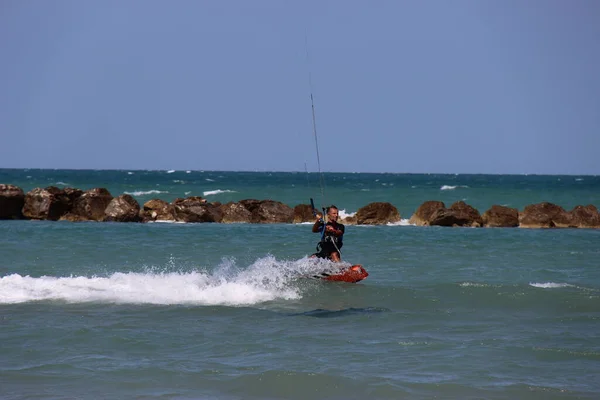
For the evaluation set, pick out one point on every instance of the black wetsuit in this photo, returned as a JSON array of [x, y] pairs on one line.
[[329, 241]]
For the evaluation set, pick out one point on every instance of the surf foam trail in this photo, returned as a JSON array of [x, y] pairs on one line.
[[267, 279]]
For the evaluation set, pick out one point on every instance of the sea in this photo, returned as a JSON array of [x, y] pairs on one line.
[[100, 310]]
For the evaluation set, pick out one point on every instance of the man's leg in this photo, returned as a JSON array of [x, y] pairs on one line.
[[335, 257]]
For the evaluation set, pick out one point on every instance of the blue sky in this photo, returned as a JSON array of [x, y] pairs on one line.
[[399, 86]]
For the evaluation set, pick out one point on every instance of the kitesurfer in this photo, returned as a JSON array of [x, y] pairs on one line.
[[332, 235]]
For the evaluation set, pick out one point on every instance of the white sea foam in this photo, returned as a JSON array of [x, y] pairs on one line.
[[450, 187], [130, 173], [267, 279], [344, 214], [402, 222], [170, 171], [474, 284], [549, 285], [144, 193], [209, 180], [162, 221], [62, 183], [188, 172], [218, 191]]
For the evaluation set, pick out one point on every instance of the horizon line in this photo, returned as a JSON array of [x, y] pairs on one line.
[[298, 171]]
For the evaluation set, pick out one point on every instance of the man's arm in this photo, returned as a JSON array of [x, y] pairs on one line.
[[318, 223], [335, 232]]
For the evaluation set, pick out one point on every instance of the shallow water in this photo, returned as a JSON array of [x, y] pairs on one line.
[[222, 311]]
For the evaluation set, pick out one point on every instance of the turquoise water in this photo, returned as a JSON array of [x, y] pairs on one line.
[[196, 311], [349, 191]]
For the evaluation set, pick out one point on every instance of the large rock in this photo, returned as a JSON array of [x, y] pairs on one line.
[[268, 211], [349, 220], [50, 203], [544, 215], [303, 213], [585, 217], [235, 213], [196, 209], [466, 215], [423, 215], [378, 213], [92, 204], [157, 210], [12, 200], [501, 217], [123, 208], [72, 194], [73, 218]]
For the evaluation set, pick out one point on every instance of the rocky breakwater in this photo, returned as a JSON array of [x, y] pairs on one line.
[[541, 215], [98, 204]]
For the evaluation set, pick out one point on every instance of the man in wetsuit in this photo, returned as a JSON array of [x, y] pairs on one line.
[[332, 235]]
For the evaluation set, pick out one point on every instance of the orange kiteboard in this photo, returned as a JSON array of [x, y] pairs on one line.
[[353, 274]]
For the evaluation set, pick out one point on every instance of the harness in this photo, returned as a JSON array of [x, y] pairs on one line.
[[329, 239]]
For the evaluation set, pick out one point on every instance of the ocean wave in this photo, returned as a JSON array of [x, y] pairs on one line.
[[61, 183], [450, 187], [344, 214], [549, 285], [170, 171], [267, 279], [402, 222], [161, 221], [474, 284], [218, 191], [144, 193]]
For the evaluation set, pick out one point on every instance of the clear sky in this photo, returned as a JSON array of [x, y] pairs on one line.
[[482, 86]]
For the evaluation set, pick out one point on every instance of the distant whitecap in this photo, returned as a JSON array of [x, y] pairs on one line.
[[550, 285], [450, 187], [144, 193], [170, 171], [218, 191], [474, 284]]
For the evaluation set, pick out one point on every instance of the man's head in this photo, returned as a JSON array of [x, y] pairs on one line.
[[332, 213]]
